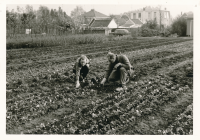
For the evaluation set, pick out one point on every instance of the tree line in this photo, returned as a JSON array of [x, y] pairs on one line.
[[52, 21], [39, 21]]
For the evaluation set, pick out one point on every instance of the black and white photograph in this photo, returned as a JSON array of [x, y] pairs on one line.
[[111, 68]]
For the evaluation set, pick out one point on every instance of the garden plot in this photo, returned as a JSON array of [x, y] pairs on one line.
[[158, 101]]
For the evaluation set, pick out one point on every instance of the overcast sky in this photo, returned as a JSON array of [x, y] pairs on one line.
[[108, 7]]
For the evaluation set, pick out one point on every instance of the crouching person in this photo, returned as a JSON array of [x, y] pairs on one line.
[[118, 69], [81, 69]]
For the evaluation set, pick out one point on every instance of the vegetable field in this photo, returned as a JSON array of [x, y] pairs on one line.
[[41, 97]]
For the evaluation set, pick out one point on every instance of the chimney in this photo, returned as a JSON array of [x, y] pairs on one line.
[[165, 8], [181, 13]]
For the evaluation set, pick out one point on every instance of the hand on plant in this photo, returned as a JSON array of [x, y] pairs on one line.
[[103, 81], [117, 65], [77, 84]]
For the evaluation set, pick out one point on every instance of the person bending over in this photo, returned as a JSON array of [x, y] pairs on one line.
[[81, 69], [119, 68]]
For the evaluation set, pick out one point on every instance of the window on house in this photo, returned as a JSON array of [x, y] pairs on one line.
[[134, 15], [139, 15], [165, 14], [154, 15], [149, 15]]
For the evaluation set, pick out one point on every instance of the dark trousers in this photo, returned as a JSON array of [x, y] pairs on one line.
[[119, 74], [83, 72]]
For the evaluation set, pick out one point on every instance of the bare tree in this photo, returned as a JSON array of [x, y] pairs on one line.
[[77, 17], [43, 18], [30, 16]]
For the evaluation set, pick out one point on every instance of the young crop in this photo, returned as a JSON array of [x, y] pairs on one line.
[[49, 92], [107, 116]]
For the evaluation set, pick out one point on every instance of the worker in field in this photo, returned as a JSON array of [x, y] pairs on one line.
[[119, 69], [81, 69]]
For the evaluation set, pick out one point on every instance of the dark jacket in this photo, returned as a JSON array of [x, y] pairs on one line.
[[119, 59], [78, 67]]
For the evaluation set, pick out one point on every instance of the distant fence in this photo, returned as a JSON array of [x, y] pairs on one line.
[[16, 32], [94, 31], [129, 29], [136, 30]]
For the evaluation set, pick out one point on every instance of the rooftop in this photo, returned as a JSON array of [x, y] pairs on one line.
[[188, 15], [93, 13], [137, 21], [100, 22]]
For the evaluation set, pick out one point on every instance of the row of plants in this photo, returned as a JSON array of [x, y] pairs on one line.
[[41, 69], [21, 53], [151, 68], [71, 57], [13, 54], [183, 124], [140, 60], [78, 46], [116, 110], [51, 80], [57, 104], [46, 41], [186, 77]]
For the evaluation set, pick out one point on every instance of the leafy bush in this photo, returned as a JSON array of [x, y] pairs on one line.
[[146, 32], [150, 28], [151, 24], [134, 33], [179, 26], [168, 31]]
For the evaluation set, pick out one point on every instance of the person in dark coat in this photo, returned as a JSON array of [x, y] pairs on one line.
[[118, 69]]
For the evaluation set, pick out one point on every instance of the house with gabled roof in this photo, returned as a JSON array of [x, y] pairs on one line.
[[132, 23], [88, 16], [106, 24], [185, 15], [102, 23], [121, 19]]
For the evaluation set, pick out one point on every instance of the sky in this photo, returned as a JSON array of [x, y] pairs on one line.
[[112, 7]]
